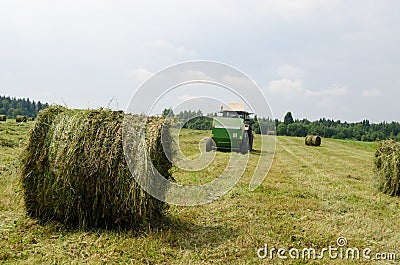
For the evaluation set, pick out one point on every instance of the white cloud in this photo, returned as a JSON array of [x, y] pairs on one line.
[[289, 71], [291, 83], [292, 89], [139, 74], [237, 82], [167, 47], [333, 91], [194, 75], [286, 87], [371, 93]]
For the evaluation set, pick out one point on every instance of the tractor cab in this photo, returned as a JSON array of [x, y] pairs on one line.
[[244, 115], [234, 114]]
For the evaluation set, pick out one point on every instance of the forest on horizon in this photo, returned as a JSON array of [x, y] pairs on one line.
[[191, 119]]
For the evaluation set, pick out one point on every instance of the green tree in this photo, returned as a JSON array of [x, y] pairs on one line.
[[255, 125], [13, 106], [288, 118], [296, 129], [281, 129], [168, 112]]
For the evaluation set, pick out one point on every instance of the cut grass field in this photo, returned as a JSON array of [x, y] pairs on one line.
[[311, 197]]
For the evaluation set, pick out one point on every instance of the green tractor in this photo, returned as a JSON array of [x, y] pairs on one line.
[[231, 131]]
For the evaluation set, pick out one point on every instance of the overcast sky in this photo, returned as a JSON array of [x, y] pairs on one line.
[[334, 59]]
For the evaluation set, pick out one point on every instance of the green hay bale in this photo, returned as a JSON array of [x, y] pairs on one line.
[[387, 167], [74, 170], [3, 117], [20, 118], [312, 140]]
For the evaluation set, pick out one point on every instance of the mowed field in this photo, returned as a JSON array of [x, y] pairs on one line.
[[311, 197]]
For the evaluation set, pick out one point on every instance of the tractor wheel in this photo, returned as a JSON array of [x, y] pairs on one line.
[[244, 146], [209, 145]]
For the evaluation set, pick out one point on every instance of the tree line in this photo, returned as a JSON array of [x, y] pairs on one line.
[[21, 106], [361, 131], [190, 119]]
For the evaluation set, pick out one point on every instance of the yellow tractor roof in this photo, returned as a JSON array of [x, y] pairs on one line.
[[236, 106]]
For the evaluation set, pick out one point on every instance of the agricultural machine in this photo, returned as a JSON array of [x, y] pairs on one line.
[[231, 131]]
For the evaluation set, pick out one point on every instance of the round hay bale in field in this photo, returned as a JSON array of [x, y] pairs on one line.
[[387, 167], [74, 170], [313, 140], [20, 118], [31, 119], [3, 117]]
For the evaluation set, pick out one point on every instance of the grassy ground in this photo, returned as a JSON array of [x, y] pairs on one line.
[[311, 197]]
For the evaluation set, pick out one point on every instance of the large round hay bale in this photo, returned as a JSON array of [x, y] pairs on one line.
[[313, 140], [387, 167], [31, 119], [74, 170], [20, 118], [3, 117]]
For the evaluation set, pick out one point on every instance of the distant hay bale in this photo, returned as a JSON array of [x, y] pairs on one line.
[[20, 118], [3, 117], [387, 167], [74, 169], [313, 140], [31, 119]]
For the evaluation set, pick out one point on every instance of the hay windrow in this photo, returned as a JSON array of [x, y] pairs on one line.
[[387, 167], [74, 170]]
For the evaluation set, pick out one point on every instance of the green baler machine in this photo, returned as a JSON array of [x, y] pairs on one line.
[[231, 131]]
